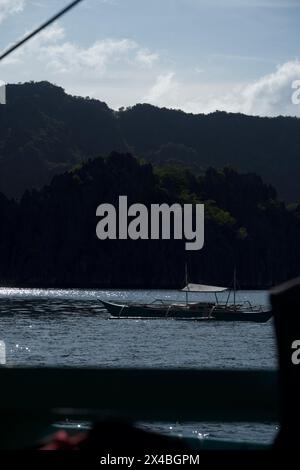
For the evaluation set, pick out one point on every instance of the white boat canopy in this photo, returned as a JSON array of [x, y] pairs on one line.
[[203, 288]]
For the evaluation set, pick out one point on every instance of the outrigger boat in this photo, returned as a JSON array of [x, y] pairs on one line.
[[197, 311]]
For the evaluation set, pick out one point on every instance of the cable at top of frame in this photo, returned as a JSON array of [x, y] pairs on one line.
[[40, 28]]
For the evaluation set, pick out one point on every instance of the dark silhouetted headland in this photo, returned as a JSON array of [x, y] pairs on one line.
[[49, 237]]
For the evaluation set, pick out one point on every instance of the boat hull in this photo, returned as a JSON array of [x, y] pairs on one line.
[[198, 312], [148, 311], [246, 316]]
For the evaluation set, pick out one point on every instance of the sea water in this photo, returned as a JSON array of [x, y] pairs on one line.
[[49, 327]]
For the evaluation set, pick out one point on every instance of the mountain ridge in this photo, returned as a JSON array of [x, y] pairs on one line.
[[45, 131]]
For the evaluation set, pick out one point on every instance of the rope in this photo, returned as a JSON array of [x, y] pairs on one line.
[[40, 28]]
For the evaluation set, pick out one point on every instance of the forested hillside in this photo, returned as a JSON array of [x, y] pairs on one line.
[[44, 131], [49, 237]]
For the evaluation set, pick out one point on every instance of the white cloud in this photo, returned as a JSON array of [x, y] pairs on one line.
[[36, 48], [165, 91], [270, 95], [68, 57], [52, 34], [10, 7], [50, 50], [145, 57]]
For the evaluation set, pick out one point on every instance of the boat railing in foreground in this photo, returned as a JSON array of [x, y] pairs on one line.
[[34, 398]]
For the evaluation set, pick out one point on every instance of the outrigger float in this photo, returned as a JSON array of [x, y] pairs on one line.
[[197, 311]]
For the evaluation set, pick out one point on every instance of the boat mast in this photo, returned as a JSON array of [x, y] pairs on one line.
[[234, 285], [186, 283]]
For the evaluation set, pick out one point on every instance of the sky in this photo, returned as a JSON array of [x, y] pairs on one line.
[[195, 55]]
